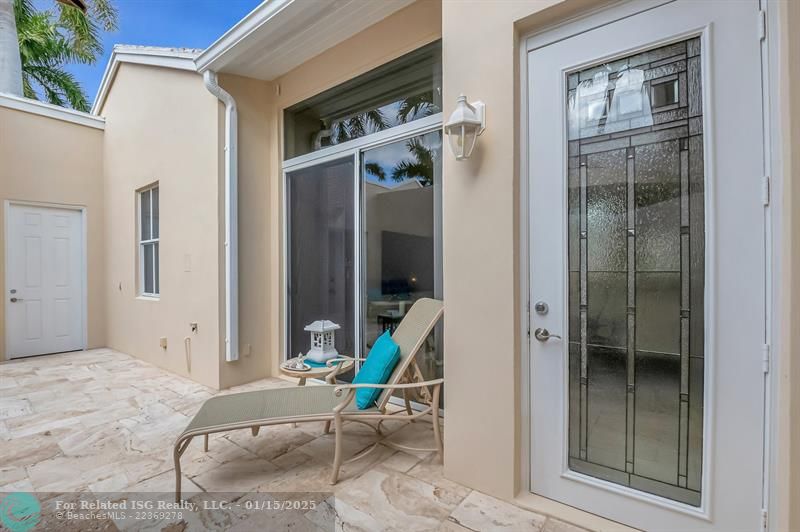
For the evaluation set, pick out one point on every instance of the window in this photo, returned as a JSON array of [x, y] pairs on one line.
[[401, 91], [148, 241]]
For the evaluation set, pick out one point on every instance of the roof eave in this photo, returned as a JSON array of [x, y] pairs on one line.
[[258, 17]]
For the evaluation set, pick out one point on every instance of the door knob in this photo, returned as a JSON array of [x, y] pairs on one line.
[[544, 335], [15, 299]]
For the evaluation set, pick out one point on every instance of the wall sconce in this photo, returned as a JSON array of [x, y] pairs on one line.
[[466, 123]]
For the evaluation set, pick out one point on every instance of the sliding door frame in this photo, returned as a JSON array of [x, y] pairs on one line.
[[353, 149]]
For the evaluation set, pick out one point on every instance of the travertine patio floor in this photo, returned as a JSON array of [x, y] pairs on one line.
[[102, 421]]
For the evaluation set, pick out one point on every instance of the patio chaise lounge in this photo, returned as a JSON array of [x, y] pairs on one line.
[[330, 402]]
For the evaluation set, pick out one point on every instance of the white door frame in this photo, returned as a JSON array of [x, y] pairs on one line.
[[84, 276], [773, 222]]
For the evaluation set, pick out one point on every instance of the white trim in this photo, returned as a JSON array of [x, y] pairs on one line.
[[771, 56], [177, 58], [51, 111], [84, 264], [387, 136], [141, 242], [279, 35], [258, 17]]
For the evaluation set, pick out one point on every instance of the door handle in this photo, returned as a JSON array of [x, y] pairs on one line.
[[544, 335], [15, 299]]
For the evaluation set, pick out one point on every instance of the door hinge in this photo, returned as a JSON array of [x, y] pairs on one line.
[[765, 190], [765, 358], [764, 522], [762, 25]]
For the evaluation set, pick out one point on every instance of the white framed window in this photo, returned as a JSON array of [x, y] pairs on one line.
[[148, 241]]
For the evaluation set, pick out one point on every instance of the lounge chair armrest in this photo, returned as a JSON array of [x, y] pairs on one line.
[[331, 362], [336, 365], [340, 388]]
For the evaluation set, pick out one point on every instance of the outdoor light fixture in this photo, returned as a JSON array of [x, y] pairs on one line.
[[466, 123]]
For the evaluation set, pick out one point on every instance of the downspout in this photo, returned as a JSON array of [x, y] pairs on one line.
[[231, 218]]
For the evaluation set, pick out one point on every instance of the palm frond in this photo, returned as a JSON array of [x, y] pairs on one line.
[[58, 86], [416, 106], [49, 39], [376, 170]]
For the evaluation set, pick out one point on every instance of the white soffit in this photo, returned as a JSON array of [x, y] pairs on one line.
[[281, 34], [179, 58]]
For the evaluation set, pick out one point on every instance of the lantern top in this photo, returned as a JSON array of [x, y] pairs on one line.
[[320, 326], [465, 114]]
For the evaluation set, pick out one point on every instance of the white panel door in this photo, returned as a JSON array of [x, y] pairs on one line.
[[44, 280], [647, 256]]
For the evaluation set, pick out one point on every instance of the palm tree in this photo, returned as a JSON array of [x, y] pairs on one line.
[[358, 125], [420, 166], [46, 41]]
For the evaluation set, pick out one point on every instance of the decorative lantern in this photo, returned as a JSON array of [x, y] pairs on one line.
[[323, 333], [466, 123]]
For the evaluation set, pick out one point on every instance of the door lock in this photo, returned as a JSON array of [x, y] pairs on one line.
[[544, 335]]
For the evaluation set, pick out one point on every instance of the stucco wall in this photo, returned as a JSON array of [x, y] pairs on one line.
[[786, 462], [162, 125], [54, 161], [258, 229]]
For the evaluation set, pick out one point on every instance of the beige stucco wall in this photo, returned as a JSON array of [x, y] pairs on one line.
[[786, 463], [162, 125], [54, 161], [258, 231]]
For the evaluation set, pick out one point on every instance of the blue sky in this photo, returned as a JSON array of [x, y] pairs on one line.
[[175, 23]]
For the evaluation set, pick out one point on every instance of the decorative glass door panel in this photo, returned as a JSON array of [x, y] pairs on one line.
[[636, 270], [645, 151]]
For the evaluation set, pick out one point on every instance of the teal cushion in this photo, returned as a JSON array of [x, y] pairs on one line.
[[382, 358]]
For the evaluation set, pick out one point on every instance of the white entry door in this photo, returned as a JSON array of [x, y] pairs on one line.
[[647, 265], [44, 280]]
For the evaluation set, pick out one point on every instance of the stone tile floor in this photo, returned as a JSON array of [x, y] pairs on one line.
[[102, 421]]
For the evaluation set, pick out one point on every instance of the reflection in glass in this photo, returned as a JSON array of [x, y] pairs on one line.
[[636, 271], [401, 91], [321, 253], [401, 182]]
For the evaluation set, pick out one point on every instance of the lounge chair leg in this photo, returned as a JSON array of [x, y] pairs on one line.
[[408, 405], [437, 429], [337, 454], [177, 451], [328, 427], [255, 430], [205, 443]]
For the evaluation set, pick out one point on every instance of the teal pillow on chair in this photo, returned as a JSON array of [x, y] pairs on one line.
[[382, 358]]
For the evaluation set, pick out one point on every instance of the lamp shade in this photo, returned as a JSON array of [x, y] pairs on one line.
[[465, 124]]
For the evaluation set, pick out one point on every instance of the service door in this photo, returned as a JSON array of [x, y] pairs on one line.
[[647, 264], [44, 280]]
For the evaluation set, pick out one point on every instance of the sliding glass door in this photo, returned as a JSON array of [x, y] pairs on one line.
[[400, 243], [321, 216], [364, 242]]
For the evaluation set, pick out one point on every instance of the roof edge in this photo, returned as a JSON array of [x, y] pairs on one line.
[[177, 58], [48, 110], [240, 31]]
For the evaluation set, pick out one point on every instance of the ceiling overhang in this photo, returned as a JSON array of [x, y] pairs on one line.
[[279, 35]]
